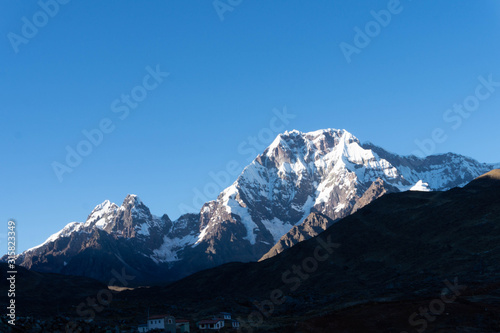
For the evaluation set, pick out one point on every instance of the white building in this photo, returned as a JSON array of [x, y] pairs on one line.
[[225, 315], [211, 324], [162, 322], [235, 323], [228, 321]]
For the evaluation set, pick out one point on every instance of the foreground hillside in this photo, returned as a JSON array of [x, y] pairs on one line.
[[46, 294]]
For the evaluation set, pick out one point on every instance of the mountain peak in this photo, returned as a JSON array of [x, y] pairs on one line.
[[315, 133], [101, 213], [290, 145], [105, 205], [132, 199], [293, 132]]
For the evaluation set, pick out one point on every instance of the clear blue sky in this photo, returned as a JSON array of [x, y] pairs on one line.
[[225, 79]]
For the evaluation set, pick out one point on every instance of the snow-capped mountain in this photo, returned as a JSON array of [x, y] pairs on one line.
[[111, 238], [327, 171]]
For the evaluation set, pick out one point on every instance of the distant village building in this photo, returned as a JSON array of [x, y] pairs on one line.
[[235, 323], [165, 323], [225, 315], [211, 324], [182, 325], [223, 319], [228, 321]]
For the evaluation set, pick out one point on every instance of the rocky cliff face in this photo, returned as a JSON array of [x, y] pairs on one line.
[[316, 223], [328, 172], [312, 226]]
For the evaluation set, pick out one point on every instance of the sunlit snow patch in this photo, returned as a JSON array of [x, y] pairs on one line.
[[420, 186]]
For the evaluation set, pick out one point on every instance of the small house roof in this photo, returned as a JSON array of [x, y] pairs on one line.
[[159, 316], [210, 321]]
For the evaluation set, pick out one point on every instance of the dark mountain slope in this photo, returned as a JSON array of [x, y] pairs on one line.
[[47, 294]]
